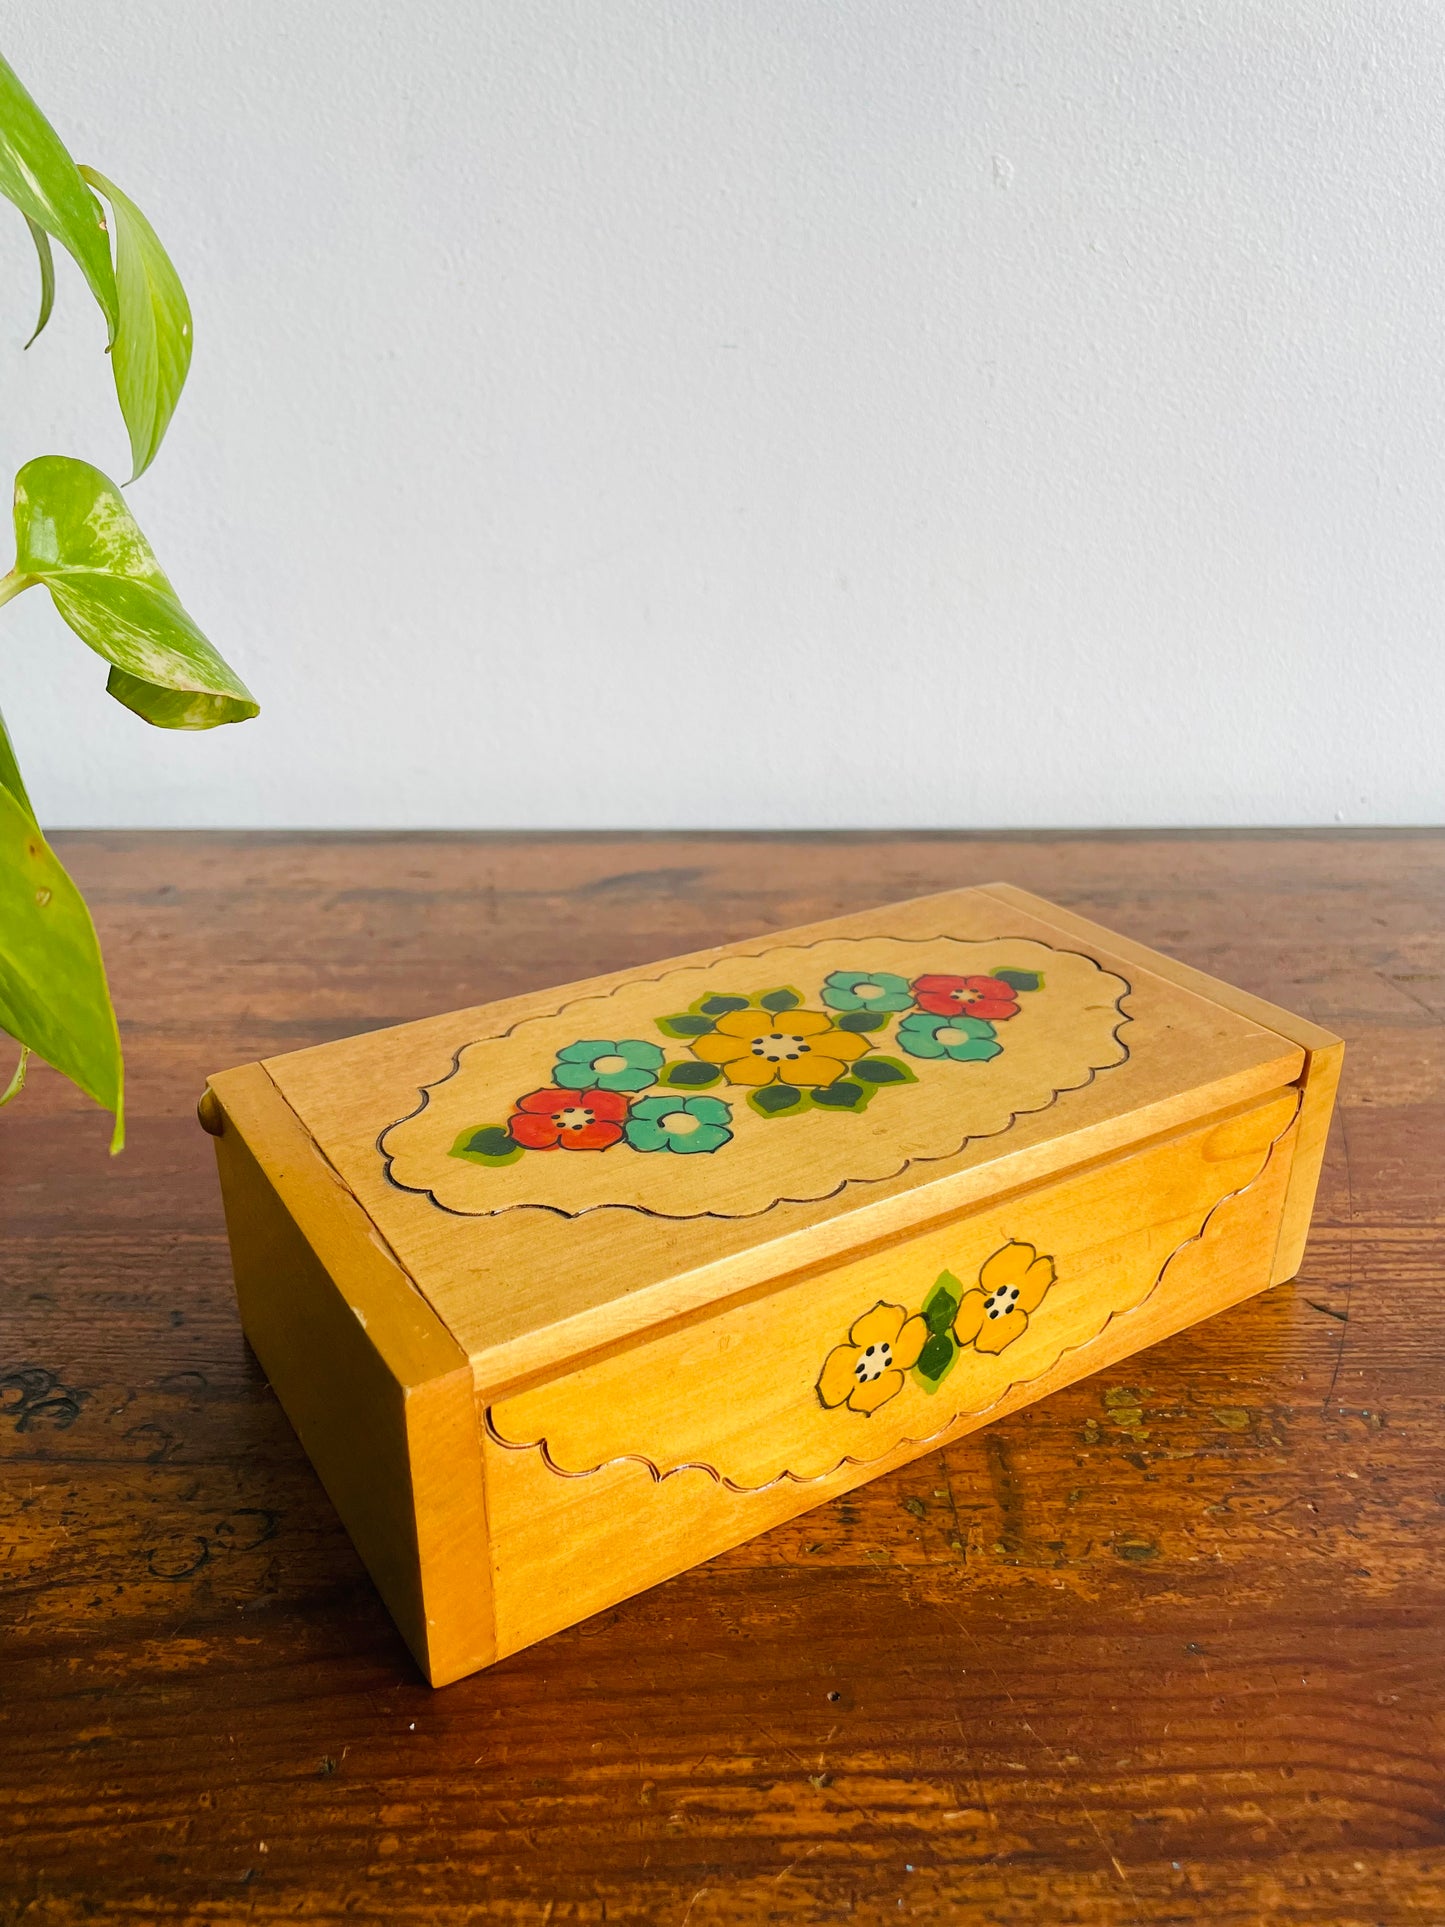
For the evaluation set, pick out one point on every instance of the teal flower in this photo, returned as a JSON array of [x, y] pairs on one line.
[[866, 990], [679, 1124], [968, 1039], [595, 1064]]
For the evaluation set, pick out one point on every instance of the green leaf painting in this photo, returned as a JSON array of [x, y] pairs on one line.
[[777, 1100], [152, 352], [940, 1352], [942, 1303], [686, 1024], [74, 534], [781, 999], [845, 1095], [883, 1070], [863, 1020], [935, 1361], [719, 1006], [689, 1075], [491, 1144], [1020, 979]]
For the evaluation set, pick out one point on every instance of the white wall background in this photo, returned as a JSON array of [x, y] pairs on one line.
[[748, 412]]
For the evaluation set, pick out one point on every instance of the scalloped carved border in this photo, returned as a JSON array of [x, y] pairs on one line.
[[425, 1091], [658, 1474]]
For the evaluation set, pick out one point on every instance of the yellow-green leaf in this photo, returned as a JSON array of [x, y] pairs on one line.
[[54, 999], [10, 777], [47, 277], [38, 175], [152, 351], [74, 533]]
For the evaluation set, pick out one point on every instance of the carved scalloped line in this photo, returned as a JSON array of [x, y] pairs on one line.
[[820, 1197], [929, 1438]]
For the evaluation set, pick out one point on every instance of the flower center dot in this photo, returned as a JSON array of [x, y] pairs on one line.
[[679, 1123], [573, 1118], [867, 990], [956, 1032], [778, 1046], [609, 1065], [873, 1363]]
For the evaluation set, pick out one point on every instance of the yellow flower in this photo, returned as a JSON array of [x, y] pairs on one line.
[[784, 1047], [866, 1372], [1011, 1284]]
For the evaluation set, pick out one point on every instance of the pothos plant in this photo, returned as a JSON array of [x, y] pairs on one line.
[[76, 538]]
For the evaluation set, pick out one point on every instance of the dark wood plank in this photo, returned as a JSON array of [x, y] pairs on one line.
[[1167, 1647]]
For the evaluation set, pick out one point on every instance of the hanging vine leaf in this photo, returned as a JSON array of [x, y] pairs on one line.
[[39, 177], [10, 777], [54, 999], [47, 277], [152, 352], [74, 533]]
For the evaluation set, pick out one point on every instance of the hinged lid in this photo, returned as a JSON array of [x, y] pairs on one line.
[[560, 1170]]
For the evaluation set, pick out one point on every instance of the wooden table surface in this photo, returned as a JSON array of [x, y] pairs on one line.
[[1166, 1647]]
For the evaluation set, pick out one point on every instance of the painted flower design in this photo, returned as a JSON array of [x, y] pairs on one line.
[[866, 1372], [1011, 1284], [866, 990], [573, 1120], [989, 998], [679, 1124], [784, 1047], [630, 1065], [968, 1039]]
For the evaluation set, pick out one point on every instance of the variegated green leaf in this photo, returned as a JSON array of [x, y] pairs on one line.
[[152, 351], [54, 999], [47, 277], [38, 175], [10, 777], [74, 533]]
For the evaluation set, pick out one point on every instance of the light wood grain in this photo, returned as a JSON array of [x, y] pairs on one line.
[[525, 1291], [1161, 1648], [1319, 1077], [379, 1392], [733, 1389], [634, 1472]]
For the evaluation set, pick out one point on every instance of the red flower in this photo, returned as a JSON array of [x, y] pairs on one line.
[[987, 998], [577, 1120]]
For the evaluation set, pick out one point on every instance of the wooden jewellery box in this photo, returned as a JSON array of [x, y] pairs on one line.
[[567, 1293]]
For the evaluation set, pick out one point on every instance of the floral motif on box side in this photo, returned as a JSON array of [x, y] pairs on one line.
[[888, 1341]]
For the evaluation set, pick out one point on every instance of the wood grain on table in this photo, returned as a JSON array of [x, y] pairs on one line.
[[1167, 1647]]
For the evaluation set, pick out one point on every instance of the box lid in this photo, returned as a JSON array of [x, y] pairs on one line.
[[557, 1171]]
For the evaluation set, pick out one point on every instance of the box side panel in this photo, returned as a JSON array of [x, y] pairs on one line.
[[569, 1540], [379, 1393], [1319, 1079], [1319, 1084]]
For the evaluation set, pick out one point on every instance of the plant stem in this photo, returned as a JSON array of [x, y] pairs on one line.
[[17, 1082], [12, 584]]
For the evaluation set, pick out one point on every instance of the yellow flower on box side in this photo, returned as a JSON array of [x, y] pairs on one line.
[[866, 1372], [1011, 1284]]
